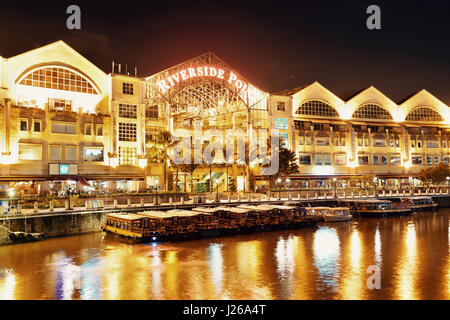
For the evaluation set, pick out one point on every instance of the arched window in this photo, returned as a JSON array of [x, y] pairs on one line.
[[59, 78], [371, 111], [316, 108], [424, 114]]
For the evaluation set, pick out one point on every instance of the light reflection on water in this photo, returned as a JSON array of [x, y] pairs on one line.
[[329, 262]]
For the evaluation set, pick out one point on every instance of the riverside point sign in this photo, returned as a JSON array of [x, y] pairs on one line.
[[202, 72]]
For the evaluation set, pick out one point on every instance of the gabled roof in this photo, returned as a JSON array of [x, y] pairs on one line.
[[56, 44], [408, 97], [290, 92], [348, 95]]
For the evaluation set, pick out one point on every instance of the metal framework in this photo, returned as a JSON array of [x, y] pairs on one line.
[[203, 97]]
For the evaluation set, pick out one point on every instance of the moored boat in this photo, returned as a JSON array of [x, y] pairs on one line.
[[338, 214], [377, 208], [420, 203]]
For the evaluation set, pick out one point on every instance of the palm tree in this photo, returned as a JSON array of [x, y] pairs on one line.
[[160, 151]]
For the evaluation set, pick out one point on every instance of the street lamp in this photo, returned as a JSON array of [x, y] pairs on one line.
[[11, 195], [334, 182], [217, 189], [279, 188]]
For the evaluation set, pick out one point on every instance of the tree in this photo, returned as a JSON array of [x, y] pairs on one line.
[[160, 151], [435, 174], [288, 164]]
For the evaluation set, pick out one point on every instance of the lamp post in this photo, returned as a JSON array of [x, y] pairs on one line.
[[334, 183], [288, 182], [11, 195], [279, 188], [217, 189]]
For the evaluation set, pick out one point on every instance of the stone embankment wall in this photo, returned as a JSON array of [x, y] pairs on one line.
[[4, 235], [57, 225]]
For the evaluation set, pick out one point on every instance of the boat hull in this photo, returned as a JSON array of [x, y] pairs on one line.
[[336, 218]]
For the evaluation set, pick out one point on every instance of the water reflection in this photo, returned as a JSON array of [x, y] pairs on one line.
[[326, 248], [407, 269], [7, 284], [329, 262]]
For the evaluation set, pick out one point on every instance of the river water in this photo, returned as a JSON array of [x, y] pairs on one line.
[[334, 261]]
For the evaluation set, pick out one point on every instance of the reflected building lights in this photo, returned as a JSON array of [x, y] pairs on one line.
[[7, 285], [407, 270], [354, 275], [326, 251], [216, 265], [284, 255]]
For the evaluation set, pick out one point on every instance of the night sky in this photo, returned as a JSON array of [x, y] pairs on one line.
[[274, 44]]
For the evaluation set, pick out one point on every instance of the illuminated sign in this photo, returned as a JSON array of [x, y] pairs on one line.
[[63, 169], [205, 71]]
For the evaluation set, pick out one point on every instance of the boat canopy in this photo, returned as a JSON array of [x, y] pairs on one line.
[[125, 216], [206, 210], [233, 209]]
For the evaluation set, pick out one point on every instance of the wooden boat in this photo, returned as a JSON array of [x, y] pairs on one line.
[[231, 218], [125, 225], [420, 203], [377, 208], [338, 214], [179, 224], [318, 212]]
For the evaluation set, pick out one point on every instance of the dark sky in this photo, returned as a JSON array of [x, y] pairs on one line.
[[274, 44]]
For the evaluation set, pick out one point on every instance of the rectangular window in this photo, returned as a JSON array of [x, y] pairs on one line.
[[363, 159], [419, 143], [444, 143], [88, 129], [71, 153], [336, 142], [397, 143], [63, 128], [379, 143], [436, 160], [283, 139], [375, 160], [127, 131], [322, 141], [395, 160], [152, 112], [391, 143], [127, 156], [366, 142], [432, 144], [55, 104], [342, 142], [99, 130], [339, 159], [54, 153], [416, 159], [413, 143], [359, 142], [127, 88], [304, 159], [318, 159], [281, 106], [128, 111], [23, 125], [327, 159], [300, 140], [308, 141], [384, 160], [281, 123], [37, 126], [429, 160], [93, 154], [446, 160], [30, 151]]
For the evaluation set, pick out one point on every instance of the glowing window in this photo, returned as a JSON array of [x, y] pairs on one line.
[[58, 78], [316, 108], [127, 131], [371, 111], [127, 156], [424, 114], [281, 123], [128, 111]]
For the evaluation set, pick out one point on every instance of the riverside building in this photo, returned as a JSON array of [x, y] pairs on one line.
[[64, 122]]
